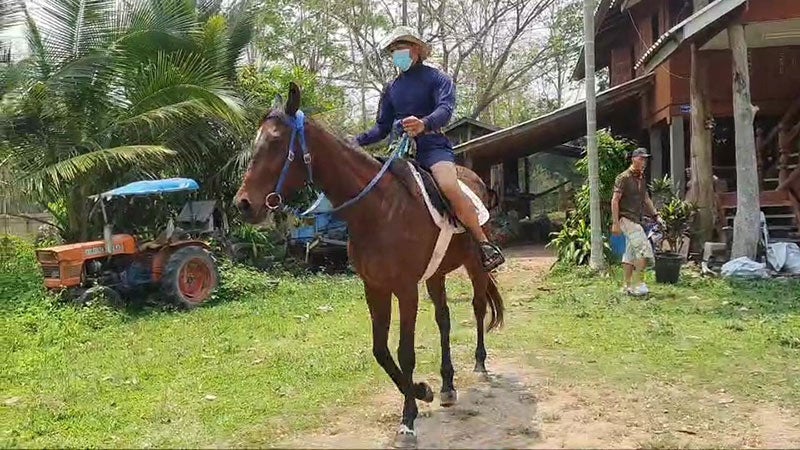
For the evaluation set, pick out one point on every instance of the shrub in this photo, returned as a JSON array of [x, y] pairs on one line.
[[574, 242], [21, 279], [238, 281]]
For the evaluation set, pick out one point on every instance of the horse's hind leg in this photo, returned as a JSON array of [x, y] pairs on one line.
[[438, 294], [480, 282]]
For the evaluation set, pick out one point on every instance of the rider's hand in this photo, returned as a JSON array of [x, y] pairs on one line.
[[615, 229], [413, 126]]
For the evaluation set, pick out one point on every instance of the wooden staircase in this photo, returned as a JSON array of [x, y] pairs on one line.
[[780, 179]]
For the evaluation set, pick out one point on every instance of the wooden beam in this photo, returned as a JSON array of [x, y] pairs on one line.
[[747, 223]]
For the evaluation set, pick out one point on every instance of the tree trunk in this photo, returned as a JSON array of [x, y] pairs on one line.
[[747, 222], [77, 217], [702, 174], [597, 258]]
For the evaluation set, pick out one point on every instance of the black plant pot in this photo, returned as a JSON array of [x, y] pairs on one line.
[[668, 267]]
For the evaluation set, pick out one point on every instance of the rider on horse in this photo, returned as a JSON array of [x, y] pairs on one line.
[[422, 98]]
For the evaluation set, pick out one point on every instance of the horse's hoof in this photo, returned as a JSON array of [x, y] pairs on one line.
[[480, 371], [423, 392], [448, 398], [406, 438]]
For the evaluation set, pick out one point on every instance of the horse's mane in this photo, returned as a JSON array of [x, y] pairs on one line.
[[398, 168]]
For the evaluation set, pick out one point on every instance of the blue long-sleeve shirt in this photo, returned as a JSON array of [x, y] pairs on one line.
[[424, 92]]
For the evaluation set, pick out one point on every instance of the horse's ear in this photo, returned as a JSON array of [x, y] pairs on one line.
[[277, 102], [293, 103]]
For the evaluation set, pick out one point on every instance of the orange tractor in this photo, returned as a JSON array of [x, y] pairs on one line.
[[176, 261]]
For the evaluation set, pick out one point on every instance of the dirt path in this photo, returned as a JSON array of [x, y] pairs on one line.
[[519, 406]]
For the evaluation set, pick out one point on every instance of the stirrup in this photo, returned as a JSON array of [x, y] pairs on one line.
[[491, 256]]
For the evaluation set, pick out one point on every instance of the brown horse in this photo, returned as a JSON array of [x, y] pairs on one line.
[[392, 237]]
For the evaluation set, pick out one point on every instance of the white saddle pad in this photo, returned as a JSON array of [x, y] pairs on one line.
[[446, 228]]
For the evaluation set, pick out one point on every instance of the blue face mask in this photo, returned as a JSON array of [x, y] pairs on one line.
[[402, 59]]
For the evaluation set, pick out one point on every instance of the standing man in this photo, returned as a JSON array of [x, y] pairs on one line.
[[628, 205], [422, 99]]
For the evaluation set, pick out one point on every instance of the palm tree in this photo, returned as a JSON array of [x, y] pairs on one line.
[[116, 90]]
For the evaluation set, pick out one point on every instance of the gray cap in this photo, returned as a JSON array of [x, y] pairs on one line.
[[641, 151]]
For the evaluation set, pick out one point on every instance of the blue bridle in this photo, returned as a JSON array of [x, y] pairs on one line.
[[297, 125]]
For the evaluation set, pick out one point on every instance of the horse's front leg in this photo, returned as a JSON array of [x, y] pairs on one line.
[[379, 301], [408, 299]]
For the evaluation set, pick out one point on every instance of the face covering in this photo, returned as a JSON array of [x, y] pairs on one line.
[[402, 59]]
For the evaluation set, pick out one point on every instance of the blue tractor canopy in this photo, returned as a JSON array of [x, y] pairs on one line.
[[151, 187]]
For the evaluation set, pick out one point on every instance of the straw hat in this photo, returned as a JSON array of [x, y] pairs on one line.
[[406, 34]]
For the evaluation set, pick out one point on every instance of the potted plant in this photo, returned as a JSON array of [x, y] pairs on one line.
[[676, 216], [662, 191]]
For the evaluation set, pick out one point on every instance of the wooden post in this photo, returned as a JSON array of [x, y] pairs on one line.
[[746, 225], [702, 179], [787, 142], [498, 184], [760, 156], [656, 152], [677, 154]]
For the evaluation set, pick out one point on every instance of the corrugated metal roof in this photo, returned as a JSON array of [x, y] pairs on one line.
[[552, 129]]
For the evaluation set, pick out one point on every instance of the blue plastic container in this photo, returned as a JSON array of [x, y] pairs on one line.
[[618, 243]]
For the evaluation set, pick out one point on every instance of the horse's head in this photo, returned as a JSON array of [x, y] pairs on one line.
[[259, 192]]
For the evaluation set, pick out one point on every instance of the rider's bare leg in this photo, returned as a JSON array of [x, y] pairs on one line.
[[446, 177]]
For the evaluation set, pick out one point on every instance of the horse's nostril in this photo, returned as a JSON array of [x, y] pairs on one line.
[[243, 205]]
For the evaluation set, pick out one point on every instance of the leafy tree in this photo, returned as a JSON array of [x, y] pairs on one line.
[[114, 91]]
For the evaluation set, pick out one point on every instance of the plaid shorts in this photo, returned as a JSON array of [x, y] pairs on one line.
[[638, 246]]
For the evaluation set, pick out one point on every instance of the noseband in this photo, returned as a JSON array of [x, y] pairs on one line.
[[274, 200]]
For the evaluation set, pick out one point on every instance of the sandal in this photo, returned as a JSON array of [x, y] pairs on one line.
[[491, 256]]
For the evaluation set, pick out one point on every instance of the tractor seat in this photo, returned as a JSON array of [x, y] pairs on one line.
[[169, 235], [150, 245]]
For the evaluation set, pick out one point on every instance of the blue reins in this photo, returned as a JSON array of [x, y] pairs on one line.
[[297, 124]]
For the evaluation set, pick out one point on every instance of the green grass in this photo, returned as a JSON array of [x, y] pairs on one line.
[[95, 377], [702, 334], [263, 362]]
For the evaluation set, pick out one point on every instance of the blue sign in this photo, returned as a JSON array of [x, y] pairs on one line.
[[686, 109]]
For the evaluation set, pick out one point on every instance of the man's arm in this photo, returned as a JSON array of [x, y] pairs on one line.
[[383, 125], [444, 94], [615, 210], [649, 203], [615, 199]]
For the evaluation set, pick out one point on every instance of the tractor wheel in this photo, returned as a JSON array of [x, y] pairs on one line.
[[190, 277], [96, 294]]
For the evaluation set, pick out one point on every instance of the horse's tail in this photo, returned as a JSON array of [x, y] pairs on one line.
[[495, 301]]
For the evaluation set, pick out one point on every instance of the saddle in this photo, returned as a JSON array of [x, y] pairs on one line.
[[437, 199], [416, 177]]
